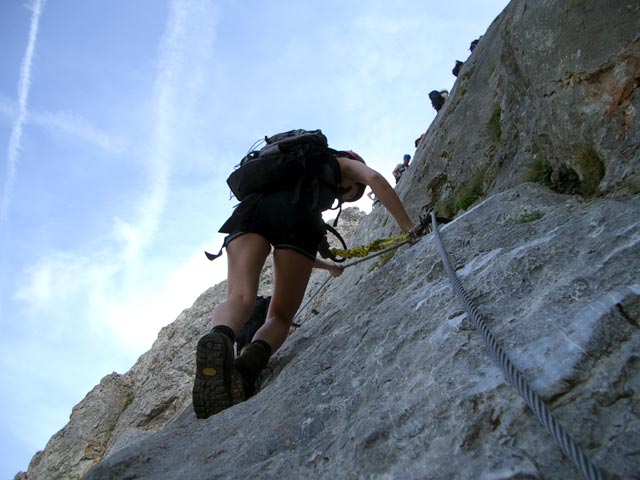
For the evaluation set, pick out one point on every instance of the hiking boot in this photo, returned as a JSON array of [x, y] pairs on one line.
[[216, 386], [250, 364]]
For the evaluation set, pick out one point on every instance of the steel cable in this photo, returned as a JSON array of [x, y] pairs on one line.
[[514, 376]]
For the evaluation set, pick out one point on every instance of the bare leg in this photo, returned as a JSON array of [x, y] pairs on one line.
[[292, 271], [246, 256], [216, 385]]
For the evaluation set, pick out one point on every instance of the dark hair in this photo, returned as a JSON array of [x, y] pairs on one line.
[[361, 188]]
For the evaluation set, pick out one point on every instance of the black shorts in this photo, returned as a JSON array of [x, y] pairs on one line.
[[277, 218]]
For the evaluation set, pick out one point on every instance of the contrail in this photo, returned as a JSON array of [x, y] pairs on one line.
[[184, 50], [24, 83], [165, 103]]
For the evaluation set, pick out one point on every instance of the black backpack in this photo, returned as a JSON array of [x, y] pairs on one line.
[[437, 100], [456, 69], [298, 160]]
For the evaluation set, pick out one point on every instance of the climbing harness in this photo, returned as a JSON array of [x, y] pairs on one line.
[[513, 375]]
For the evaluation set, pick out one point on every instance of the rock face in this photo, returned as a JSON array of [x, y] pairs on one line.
[[386, 378]]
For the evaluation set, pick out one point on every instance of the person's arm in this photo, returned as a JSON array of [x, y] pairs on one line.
[[359, 172], [333, 268]]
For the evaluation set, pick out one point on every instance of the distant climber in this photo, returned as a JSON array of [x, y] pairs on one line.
[[418, 140], [437, 100], [401, 167], [459, 63], [457, 67]]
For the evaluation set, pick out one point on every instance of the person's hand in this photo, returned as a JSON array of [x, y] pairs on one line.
[[335, 270]]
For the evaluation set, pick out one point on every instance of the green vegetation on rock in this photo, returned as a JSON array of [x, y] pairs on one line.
[[495, 128], [590, 168], [539, 171]]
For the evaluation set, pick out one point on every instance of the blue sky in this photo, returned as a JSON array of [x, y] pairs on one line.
[[119, 122]]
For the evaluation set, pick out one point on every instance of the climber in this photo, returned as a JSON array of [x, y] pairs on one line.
[[292, 228], [437, 99], [401, 167], [456, 68]]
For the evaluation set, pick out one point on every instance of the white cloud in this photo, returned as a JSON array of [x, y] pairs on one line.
[[137, 318], [94, 289], [128, 236], [60, 277]]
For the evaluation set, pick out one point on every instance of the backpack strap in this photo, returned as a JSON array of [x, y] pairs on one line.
[[339, 208], [321, 178], [324, 249], [213, 256]]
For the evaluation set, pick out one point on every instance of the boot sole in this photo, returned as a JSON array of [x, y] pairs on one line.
[[212, 385]]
